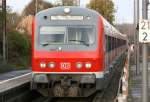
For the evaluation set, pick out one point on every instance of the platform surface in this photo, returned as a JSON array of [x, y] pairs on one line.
[[14, 79], [12, 74], [135, 84]]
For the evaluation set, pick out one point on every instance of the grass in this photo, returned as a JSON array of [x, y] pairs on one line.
[[21, 63], [7, 67]]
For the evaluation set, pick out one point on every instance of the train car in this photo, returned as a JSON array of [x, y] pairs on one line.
[[72, 51]]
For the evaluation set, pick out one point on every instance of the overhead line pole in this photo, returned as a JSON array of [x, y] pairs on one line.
[[4, 29], [136, 37], [135, 54], [137, 41], [145, 58]]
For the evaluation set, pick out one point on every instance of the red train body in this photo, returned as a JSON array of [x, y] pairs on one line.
[[73, 64]]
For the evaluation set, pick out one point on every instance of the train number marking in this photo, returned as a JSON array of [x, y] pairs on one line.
[[143, 26], [145, 34], [144, 31]]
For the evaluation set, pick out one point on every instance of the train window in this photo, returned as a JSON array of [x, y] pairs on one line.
[[108, 43], [52, 35], [112, 43], [81, 35]]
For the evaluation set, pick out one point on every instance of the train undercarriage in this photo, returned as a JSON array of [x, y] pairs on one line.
[[66, 85]]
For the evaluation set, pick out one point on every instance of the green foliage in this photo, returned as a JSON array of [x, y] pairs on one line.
[[18, 46], [6, 67], [11, 23], [104, 7], [19, 49]]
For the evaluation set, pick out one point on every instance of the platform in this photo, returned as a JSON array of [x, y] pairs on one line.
[[12, 74], [14, 79], [135, 84]]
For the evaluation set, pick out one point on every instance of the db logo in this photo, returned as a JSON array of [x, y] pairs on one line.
[[65, 66]]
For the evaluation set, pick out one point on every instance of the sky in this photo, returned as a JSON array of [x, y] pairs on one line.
[[124, 11], [124, 8]]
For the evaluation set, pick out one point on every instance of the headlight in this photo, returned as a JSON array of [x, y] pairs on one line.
[[67, 10], [51, 65], [88, 65], [42, 64], [79, 65]]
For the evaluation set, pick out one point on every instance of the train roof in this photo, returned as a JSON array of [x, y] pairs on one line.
[[74, 10], [112, 31]]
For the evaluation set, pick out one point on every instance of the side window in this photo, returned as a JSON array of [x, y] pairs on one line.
[[113, 43], [108, 43]]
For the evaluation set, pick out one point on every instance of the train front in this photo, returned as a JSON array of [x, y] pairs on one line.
[[67, 52]]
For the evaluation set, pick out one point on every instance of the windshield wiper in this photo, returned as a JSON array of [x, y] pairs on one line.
[[83, 42], [45, 44], [55, 49]]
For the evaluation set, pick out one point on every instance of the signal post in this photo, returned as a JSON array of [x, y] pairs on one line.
[[144, 38]]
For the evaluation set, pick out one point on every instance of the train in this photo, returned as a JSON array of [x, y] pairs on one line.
[[73, 49]]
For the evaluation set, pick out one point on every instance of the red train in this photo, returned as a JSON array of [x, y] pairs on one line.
[[73, 49]]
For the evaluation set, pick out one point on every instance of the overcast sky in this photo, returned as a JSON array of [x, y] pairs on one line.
[[124, 8]]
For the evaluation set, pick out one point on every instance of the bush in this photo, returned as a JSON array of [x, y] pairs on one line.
[[19, 49]]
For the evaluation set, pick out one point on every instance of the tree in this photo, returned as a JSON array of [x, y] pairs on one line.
[[19, 48], [69, 2], [30, 9], [104, 7], [25, 25], [12, 21]]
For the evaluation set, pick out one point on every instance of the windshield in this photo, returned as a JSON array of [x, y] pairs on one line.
[[67, 35]]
